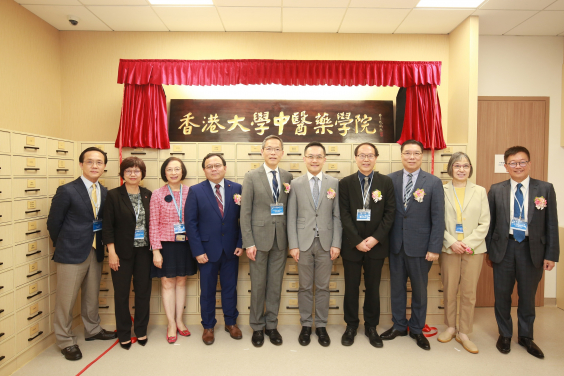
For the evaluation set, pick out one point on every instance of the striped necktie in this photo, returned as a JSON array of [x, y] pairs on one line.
[[366, 188], [219, 199], [408, 189], [275, 192]]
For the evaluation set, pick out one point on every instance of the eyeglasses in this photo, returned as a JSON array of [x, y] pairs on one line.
[[515, 164], [94, 163], [461, 167], [314, 157], [171, 170], [408, 154], [270, 150], [132, 172], [364, 156], [216, 166]]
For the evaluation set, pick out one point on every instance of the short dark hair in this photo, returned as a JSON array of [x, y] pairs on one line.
[[165, 165], [315, 143], [369, 144], [132, 162], [210, 155], [412, 142], [514, 150], [93, 148]]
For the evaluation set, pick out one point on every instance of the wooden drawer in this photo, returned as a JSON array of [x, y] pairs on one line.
[[5, 165], [55, 183], [150, 183], [154, 306], [32, 166], [337, 169], [226, 150], [30, 336], [60, 148], [4, 144], [294, 151], [445, 154], [30, 315], [337, 271], [7, 351], [6, 305], [244, 304], [109, 183], [5, 189], [180, 150], [106, 270], [153, 169], [107, 147], [27, 209], [291, 270], [384, 288], [336, 304], [192, 287], [383, 168], [28, 145], [337, 287], [289, 304], [5, 212], [29, 187], [52, 283], [7, 329], [106, 304], [296, 168], [385, 271], [290, 287], [244, 287], [192, 305], [106, 288], [384, 152], [6, 281], [244, 272], [32, 292], [31, 271], [6, 235], [30, 230], [111, 170], [60, 167], [244, 167], [6, 258], [249, 151], [143, 153], [338, 152]]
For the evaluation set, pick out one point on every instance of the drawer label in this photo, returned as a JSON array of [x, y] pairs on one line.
[[34, 330], [33, 267], [293, 268], [32, 247], [32, 204], [104, 284], [293, 285], [294, 166], [255, 166], [217, 302], [332, 285], [333, 268], [293, 302], [61, 163], [447, 150], [33, 309], [294, 148], [138, 149], [30, 162], [61, 145], [216, 148], [445, 166], [30, 141], [33, 288], [176, 148], [102, 301], [31, 226], [332, 302], [333, 149], [255, 148], [442, 302], [332, 166], [63, 182]]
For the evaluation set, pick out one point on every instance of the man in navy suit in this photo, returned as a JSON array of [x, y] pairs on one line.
[[74, 224], [212, 225], [416, 240]]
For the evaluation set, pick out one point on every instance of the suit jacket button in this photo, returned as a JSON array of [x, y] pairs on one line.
[[222, 234], [316, 215], [223, 224]]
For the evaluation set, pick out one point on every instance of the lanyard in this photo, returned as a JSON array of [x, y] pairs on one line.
[[365, 195], [179, 211], [455, 195], [521, 207]]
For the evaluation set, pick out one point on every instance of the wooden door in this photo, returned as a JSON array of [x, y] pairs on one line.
[[504, 122]]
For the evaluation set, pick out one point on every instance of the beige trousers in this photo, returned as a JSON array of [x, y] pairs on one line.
[[460, 273]]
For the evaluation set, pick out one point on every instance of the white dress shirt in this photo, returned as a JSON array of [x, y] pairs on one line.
[[221, 190], [525, 191], [88, 184], [269, 177]]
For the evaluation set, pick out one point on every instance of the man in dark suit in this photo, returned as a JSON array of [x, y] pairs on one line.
[[75, 224], [522, 242], [212, 225], [416, 241], [368, 206]]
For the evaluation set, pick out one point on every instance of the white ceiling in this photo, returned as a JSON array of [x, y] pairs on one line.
[[497, 17]]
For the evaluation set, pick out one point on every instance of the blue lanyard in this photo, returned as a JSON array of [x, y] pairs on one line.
[[179, 211]]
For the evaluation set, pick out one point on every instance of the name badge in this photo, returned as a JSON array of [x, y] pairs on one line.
[[139, 234], [518, 224], [180, 238], [459, 229], [97, 225], [179, 228], [276, 209], [363, 215]]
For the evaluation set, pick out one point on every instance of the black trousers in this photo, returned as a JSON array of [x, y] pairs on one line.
[[516, 266], [138, 267], [372, 275]]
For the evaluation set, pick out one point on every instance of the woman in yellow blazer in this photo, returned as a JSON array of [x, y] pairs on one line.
[[467, 220]]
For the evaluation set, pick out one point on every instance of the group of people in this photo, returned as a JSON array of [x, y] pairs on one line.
[[408, 216]]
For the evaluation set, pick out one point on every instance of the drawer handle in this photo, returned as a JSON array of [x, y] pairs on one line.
[[1, 287], [32, 190], [446, 155], [104, 290], [105, 170], [31, 254], [2, 335], [31, 169], [1, 310], [337, 154], [334, 273], [337, 171], [220, 307], [222, 154], [338, 290], [106, 306], [335, 307], [132, 307], [34, 295], [292, 290], [31, 147], [62, 169], [178, 153], [105, 273], [61, 151], [288, 307], [32, 338], [138, 153], [444, 172], [291, 273], [2, 357], [36, 273], [33, 211], [32, 317], [294, 154], [300, 171], [248, 290], [441, 307], [33, 232], [254, 153]]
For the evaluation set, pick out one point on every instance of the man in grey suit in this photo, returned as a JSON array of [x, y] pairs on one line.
[[314, 238], [263, 225], [522, 242], [416, 240]]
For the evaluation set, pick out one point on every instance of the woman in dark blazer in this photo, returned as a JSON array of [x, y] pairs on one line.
[[126, 233]]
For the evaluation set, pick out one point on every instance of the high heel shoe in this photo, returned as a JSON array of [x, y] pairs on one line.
[[171, 339], [143, 342], [183, 333], [125, 346]]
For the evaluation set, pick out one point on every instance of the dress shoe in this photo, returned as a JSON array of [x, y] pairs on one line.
[[143, 342], [102, 335], [468, 345], [393, 333], [445, 336], [234, 331], [422, 341], [183, 333], [323, 336], [171, 339], [275, 336], [208, 336], [258, 338], [72, 353], [503, 344], [348, 336], [305, 336], [531, 347], [373, 337], [125, 346]]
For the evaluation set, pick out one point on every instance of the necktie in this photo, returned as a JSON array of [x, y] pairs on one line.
[[274, 187], [315, 191], [408, 188], [365, 196], [94, 203], [219, 199], [517, 234]]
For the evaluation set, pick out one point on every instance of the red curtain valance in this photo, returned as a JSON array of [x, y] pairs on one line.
[[280, 72]]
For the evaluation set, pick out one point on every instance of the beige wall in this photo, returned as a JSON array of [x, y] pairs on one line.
[[30, 72]]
